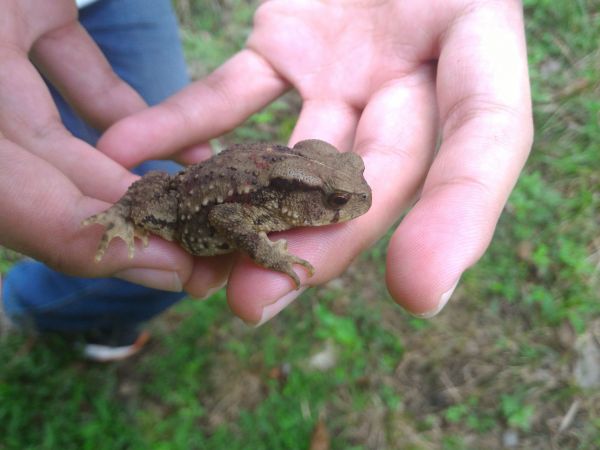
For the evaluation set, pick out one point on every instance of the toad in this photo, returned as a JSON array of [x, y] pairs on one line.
[[232, 200]]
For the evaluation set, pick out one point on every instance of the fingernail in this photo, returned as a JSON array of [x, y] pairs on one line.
[[441, 304], [213, 290], [274, 308], [165, 280]]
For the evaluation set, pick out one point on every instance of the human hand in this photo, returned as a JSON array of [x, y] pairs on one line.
[[384, 79], [49, 180]]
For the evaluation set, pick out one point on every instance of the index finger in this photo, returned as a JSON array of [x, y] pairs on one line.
[[201, 111]]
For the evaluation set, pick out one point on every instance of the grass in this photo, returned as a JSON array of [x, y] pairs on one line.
[[494, 370]]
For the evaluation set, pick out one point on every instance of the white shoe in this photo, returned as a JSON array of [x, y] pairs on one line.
[[105, 352]]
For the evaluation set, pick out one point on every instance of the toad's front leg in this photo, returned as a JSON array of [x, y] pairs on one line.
[[149, 205], [244, 226], [117, 222]]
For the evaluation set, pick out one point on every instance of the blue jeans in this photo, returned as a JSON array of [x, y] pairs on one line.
[[141, 41]]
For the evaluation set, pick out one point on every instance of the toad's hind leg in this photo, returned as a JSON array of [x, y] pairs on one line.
[[118, 224], [275, 256], [240, 223]]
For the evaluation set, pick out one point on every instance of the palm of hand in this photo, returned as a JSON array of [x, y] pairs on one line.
[[378, 76]]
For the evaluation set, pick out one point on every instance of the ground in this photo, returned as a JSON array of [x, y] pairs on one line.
[[509, 364]]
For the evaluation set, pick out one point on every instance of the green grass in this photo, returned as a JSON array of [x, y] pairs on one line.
[[497, 363]]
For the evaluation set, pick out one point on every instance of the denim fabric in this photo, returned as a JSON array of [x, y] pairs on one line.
[[140, 39]]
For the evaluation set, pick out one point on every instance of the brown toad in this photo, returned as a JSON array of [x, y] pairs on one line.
[[230, 201]]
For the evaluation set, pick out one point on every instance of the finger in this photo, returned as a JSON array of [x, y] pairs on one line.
[[396, 136], [32, 121], [46, 211], [74, 64], [194, 154], [209, 275], [332, 121], [206, 109], [484, 99]]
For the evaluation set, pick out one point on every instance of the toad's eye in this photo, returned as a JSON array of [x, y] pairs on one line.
[[338, 199]]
